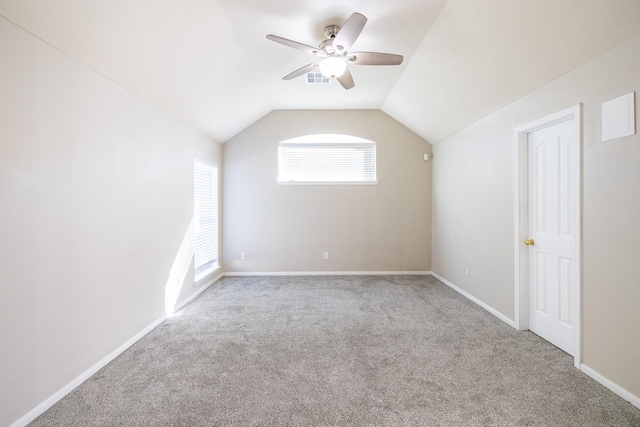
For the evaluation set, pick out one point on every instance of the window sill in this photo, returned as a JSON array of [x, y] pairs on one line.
[[327, 182], [205, 274]]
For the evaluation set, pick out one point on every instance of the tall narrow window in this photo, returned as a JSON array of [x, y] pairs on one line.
[[205, 190], [327, 159]]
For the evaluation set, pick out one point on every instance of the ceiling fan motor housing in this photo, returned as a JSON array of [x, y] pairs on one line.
[[331, 31], [327, 45]]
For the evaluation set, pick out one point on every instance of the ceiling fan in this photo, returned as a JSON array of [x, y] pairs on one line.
[[334, 55]]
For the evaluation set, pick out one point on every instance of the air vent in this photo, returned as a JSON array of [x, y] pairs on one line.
[[317, 79]]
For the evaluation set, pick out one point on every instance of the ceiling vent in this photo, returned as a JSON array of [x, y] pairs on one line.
[[316, 78]]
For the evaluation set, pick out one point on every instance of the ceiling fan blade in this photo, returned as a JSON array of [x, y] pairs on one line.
[[375, 58], [349, 32], [300, 71], [300, 46], [346, 79]]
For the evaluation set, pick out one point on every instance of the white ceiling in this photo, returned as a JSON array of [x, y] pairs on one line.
[[208, 63]]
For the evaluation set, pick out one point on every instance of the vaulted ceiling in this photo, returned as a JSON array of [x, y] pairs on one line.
[[208, 63]]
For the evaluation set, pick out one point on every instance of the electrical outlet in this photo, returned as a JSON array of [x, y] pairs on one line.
[[466, 271], [242, 255], [326, 255]]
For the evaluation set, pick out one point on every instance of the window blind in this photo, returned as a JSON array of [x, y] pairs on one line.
[[205, 218], [327, 162]]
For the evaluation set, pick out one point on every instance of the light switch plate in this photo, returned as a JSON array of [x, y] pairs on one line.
[[619, 117]]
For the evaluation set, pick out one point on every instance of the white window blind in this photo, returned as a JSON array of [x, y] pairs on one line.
[[205, 218], [327, 159]]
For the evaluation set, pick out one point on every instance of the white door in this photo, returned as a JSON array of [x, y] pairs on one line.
[[552, 196]]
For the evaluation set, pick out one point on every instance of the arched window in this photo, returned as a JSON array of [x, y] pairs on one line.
[[327, 159]]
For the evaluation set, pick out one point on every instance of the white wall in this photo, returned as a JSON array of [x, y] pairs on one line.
[[384, 227], [96, 190], [473, 210]]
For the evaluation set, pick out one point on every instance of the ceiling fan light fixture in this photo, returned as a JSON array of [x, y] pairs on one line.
[[332, 67]]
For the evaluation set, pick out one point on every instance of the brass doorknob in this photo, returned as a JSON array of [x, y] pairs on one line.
[[529, 242]]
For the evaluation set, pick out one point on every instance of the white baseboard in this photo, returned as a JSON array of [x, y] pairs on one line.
[[53, 399], [326, 273], [491, 310], [622, 392], [57, 396]]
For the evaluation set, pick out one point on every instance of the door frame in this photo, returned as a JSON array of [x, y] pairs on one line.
[[521, 219]]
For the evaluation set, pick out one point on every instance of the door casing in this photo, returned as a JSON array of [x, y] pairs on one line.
[[521, 219]]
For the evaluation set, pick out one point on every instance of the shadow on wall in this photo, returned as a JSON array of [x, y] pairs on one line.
[[181, 269]]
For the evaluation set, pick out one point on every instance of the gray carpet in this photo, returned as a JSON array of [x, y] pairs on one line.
[[339, 351]]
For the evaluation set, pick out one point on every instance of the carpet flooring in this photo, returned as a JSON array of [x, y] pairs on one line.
[[339, 351]]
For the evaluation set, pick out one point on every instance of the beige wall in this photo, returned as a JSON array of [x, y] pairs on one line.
[[97, 194], [473, 210], [384, 227]]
